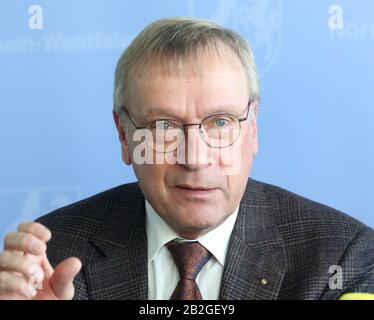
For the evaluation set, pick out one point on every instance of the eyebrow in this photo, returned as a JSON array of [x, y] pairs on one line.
[[222, 109]]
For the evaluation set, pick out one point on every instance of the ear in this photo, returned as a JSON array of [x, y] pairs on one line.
[[254, 129], [126, 156]]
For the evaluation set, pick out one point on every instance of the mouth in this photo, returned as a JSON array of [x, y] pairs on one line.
[[196, 191]]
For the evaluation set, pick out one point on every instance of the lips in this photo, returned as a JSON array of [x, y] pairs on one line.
[[196, 192], [195, 188]]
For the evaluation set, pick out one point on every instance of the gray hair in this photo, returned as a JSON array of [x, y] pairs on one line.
[[172, 41]]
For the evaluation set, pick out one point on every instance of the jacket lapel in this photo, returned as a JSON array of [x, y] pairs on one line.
[[255, 262], [122, 271]]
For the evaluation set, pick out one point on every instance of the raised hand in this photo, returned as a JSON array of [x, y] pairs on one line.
[[26, 273]]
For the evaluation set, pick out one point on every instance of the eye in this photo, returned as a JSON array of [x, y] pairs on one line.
[[220, 122], [165, 125], [162, 125]]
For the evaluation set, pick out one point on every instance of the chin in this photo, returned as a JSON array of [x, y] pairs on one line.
[[206, 207], [198, 223]]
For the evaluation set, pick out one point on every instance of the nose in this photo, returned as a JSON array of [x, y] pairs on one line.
[[197, 153]]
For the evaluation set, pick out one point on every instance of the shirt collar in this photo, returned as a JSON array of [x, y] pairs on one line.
[[159, 233]]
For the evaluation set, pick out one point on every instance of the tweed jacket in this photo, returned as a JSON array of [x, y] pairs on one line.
[[283, 246]]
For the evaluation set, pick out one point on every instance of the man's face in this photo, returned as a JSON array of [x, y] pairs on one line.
[[174, 190]]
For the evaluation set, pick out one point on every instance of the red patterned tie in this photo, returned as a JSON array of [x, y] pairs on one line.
[[190, 258]]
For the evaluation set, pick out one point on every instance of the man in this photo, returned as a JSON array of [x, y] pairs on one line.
[[194, 226]]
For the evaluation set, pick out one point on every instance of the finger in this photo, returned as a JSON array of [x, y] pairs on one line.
[[47, 267], [26, 265], [24, 242], [62, 278], [36, 229], [13, 284], [12, 296]]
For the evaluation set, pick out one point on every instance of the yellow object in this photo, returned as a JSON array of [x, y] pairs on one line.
[[357, 296]]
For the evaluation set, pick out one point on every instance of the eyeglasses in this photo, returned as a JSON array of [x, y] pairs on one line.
[[218, 130]]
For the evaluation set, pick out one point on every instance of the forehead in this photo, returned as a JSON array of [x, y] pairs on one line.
[[208, 77]]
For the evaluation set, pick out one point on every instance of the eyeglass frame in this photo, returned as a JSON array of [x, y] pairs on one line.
[[240, 120]]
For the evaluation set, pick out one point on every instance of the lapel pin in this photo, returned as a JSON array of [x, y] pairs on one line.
[[264, 281]]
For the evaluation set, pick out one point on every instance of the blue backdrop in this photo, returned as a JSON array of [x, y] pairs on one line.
[[57, 59]]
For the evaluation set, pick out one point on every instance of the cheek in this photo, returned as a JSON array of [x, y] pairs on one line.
[[248, 151], [249, 143], [237, 159], [248, 147], [151, 177], [238, 175], [147, 173]]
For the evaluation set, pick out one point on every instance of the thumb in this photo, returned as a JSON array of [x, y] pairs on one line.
[[63, 276]]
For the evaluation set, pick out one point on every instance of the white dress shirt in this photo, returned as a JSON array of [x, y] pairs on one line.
[[163, 274]]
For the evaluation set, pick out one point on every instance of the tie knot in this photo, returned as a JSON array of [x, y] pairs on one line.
[[189, 257]]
